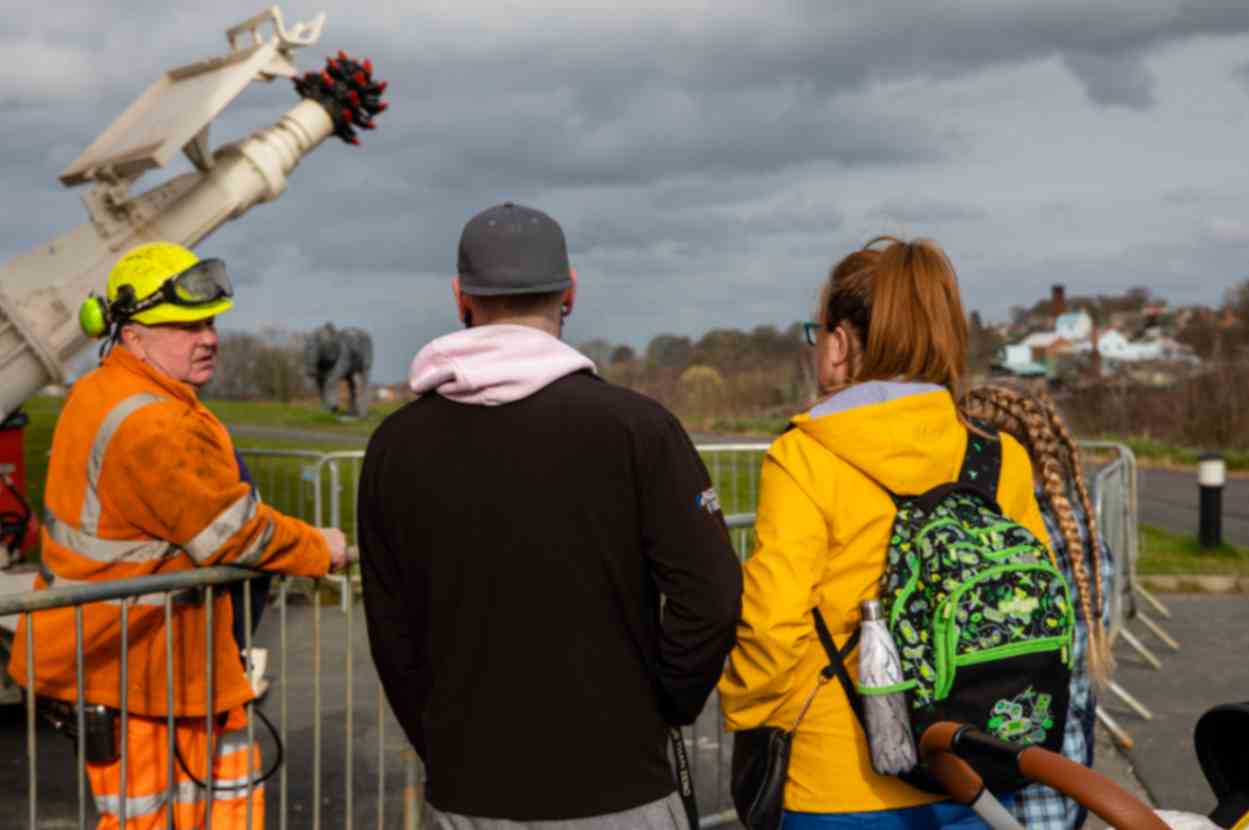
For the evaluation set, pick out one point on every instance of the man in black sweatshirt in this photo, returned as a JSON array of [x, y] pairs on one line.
[[518, 524]]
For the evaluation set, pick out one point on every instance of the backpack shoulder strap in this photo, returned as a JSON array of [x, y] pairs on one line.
[[837, 661], [982, 463]]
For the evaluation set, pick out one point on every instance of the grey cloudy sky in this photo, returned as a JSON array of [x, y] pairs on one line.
[[708, 160]]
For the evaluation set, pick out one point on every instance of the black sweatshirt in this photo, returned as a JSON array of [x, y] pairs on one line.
[[513, 559]]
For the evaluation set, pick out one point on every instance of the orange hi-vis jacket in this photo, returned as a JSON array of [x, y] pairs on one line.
[[143, 480]]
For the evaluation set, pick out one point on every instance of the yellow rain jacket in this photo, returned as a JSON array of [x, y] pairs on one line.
[[143, 480], [823, 525]]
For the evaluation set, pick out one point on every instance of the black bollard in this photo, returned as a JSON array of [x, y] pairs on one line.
[[1211, 475]]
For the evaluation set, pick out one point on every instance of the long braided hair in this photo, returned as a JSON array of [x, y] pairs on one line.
[[1034, 421]]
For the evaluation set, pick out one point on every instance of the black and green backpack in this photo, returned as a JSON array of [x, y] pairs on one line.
[[982, 619]]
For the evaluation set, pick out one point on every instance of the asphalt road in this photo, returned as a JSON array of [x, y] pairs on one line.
[[1209, 669], [1169, 500]]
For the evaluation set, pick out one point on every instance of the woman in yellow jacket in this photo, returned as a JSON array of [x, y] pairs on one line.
[[890, 351]]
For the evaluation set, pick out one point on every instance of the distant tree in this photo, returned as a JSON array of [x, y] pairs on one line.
[[598, 350], [983, 343], [772, 345], [267, 365], [1238, 304], [723, 349], [1238, 299], [1138, 296], [622, 354], [1201, 333], [668, 351]]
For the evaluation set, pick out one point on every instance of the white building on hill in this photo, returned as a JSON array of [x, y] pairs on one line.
[[1073, 332]]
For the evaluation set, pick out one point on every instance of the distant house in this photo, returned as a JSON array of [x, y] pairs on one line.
[[1126, 320], [1074, 325], [1113, 346], [1040, 348], [1016, 355], [1074, 334]]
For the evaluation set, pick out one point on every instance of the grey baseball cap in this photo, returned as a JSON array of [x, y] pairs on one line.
[[512, 249]]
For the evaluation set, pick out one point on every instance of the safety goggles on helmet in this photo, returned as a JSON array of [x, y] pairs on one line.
[[201, 290], [204, 282]]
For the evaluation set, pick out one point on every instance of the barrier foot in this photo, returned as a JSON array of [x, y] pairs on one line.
[[717, 819], [411, 793], [1127, 698], [1154, 601], [1117, 733], [1140, 649], [1158, 631]]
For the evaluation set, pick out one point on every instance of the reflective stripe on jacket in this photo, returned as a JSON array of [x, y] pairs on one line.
[[148, 766], [824, 519], [142, 479]]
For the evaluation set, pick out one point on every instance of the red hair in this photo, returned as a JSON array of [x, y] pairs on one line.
[[902, 304]]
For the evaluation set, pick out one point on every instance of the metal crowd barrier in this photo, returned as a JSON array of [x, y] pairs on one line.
[[300, 483], [1116, 502], [734, 471], [207, 581], [287, 479], [321, 488]]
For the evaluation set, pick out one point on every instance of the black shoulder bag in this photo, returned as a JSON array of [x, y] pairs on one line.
[[761, 755]]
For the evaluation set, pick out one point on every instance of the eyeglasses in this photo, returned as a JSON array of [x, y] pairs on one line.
[[809, 331]]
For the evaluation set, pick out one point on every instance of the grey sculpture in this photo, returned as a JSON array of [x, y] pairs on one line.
[[333, 355]]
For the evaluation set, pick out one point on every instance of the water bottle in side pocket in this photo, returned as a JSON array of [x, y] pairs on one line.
[[886, 718]]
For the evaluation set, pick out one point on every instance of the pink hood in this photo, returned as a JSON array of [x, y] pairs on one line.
[[493, 365]]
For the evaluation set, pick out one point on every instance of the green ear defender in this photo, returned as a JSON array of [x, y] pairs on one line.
[[93, 317]]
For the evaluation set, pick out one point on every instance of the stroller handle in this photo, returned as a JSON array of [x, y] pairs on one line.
[[948, 748]]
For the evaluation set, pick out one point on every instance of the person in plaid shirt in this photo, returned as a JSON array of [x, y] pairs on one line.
[[1070, 521]]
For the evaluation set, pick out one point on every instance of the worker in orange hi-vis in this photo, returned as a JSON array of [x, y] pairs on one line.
[[142, 480]]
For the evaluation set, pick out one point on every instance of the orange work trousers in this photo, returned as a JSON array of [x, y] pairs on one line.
[[147, 775]]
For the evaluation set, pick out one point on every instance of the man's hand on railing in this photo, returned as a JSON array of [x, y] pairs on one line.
[[337, 543]]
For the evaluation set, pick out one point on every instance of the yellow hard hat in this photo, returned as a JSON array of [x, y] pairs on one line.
[[146, 268]]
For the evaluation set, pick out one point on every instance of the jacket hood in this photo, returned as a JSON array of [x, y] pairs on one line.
[[903, 435], [493, 365]]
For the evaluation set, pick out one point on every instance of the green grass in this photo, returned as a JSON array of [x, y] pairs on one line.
[[298, 415], [764, 426], [1151, 450], [37, 439], [284, 481], [265, 442], [1163, 552]]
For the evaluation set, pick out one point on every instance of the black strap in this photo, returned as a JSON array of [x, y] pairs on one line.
[[684, 776], [46, 573], [982, 462], [837, 661]]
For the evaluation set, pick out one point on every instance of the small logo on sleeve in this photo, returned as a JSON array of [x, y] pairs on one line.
[[709, 501]]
